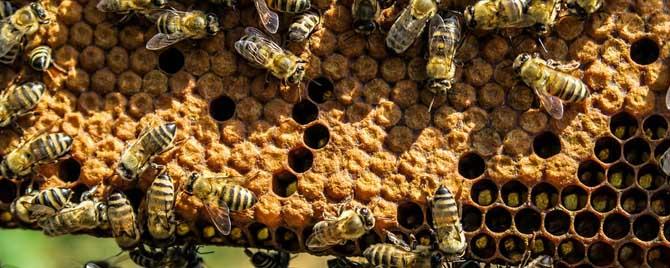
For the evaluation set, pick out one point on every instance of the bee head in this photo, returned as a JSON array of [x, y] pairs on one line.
[[469, 15], [364, 27], [520, 60], [367, 217], [40, 12], [442, 191], [159, 3], [298, 74], [188, 187], [212, 24]]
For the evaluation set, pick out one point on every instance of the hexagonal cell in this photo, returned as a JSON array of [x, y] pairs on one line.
[[570, 251], [498, 219], [600, 253], [636, 151], [634, 201], [650, 177], [616, 226], [574, 197], [658, 256], [527, 220], [287, 239], [544, 196], [222, 108], [655, 127], [260, 234], [7, 191], [546, 145], [512, 247], [305, 112], [660, 203], [557, 222], [471, 166], [621, 175], [630, 255], [484, 192], [483, 246], [69, 170], [514, 193], [471, 218], [542, 246], [607, 149], [591, 173], [316, 136], [644, 51], [587, 224], [410, 215], [300, 159], [603, 199], [646, 227], [284, 183], [171, 60], [623, 125], [320, 89], [661, 148]]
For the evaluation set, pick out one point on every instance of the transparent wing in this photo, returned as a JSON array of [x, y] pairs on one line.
[[404, 31], [161, 40], [269, 18], [313, 242], [264, 39], [220, 216], [9, 36], [564, 67], [38, 211], [436, 22], [664, 161], [552, 104], [397, 241], [667, 99]]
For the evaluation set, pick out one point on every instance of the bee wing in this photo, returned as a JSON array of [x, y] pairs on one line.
[[552, 104], [7, 44], [38, 211], [407, 28], [667, 99], [313, 242], [269, 18], [252, 50], [220, 216], [397, 241], [161, 40], [564, 67], [664, 161]]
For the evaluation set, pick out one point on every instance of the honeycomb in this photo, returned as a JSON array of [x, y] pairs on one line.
[[587, 188]]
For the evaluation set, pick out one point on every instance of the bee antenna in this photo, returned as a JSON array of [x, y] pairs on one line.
[[539, 39], [431, 103]]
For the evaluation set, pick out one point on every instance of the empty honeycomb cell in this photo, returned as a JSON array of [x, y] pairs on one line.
[[498, 219], [573, 197], [512, 247], [7, 191], [316, 136], [590, 173], [634, 201], [607, 149], [171, 60], [660, 203], [571, 251], [587, 224], [483, 246], [69, 170], [410, 215], [644, 51], [305, 112], [600, 254], [636, 151], [284, 183], [557, 222], [546, 145], [527, 220], [471, 218], [658, 256], [630, 255], [287, 239], [300, 159], [471, 166], [320, 90], [514, 193], [222, 108], [603, 199], [650, 177], [78, 190], [655, 127], [544, 196], [616, 226], [484, 192], [621, 175], [623, 125], [646, 228]]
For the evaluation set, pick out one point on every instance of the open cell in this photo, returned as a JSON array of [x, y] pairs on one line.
[[514, 193], [471, 218], [544, 196], [623, 125], [284, 183], [484, 192], [316, 136], [171, 60], [655, 127], [512, 247], [607, 149], [660, 203], [644, 51], [616, 226], [498, 219], [483, 246], [634, 201], [601, 254], [300, 159], [637, 151], [658, 256], [591, 173], [527, 220], [557, 222], [646, 228], [573, 198], [69, 170], [547, 145], [7, 191], [630, 255], [305, 112], [571, 251], [471, 166], [650, 177], [410, 215], [320, 89], [587, 224], [287, 239], [603, 199], [621, 175], [222, 108]]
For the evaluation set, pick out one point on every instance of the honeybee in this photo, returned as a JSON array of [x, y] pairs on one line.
[[259, 49], [302, 26], [185, 256], [86, 215], [351, 224], [365, 13], [17, 101], [174, 26], [220, 196], [410, 24], [151, 142], [583, 8], [159, 201], [398, 254], [290, 6], [664, 162], [542, 261], [111, 262], [49, 201], [444, 38], [493, 14], [25, 21], [6, 9], [260, 259], [127, 6], [269, 19], [122, 220], [342, 262], [41, 149], [550, 83], [447, 224], [20, 207]]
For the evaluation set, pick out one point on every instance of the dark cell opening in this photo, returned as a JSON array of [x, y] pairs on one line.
[[661, 148], [658, 256], [7, 191], [616, 226], [630, 255], [644, 51], [666, 230], [483, 246], [542, 246], [650, 177], [634, 201], [348, 248], [655, 127], [287, 239], [484, 192], [514, 193], [305, 112], [544, 196], [601, 254], [591, 173], [320, 89], [300, 159], [425, 237], [621, 175], [660, 203], [369, 238], [571, 251], [557, 222], [471, 166], [574, 198], [284, 183], [603, 199], [637, 151], [512, 247], [69, 170], [527, 220], [646, 228], [472, 218], [587, 224], [546, 145], [316, 136], [410, 215], [623, 125], [222, 108], [135, 197], [77, 191], [171, 60], [498, 219], [607, 149], [260, 234]]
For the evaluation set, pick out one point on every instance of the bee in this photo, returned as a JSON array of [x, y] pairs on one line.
[[365, 13], [41, 149], [128, 6], [25, 21], [86, 215], [49, 201], [351, 224], [122, 221], [17, 101], [269, 19], [445, 36], [342, 262], [260, 259], [137, 157], [550, 83], [583, 8], [220, 196], [542, 261], [290, 6], [302, 26], [40, 59], [259, 49], [20, 207], [409, 25], [447, 223], [160, 207], [111, 262], [398, 254], [494, 14], [6, 9], [174, 26], [173, 257]]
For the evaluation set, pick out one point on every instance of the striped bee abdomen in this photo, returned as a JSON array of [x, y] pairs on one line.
[[122, 221], [387, 255], [303, 25], [444, 209], [55, 198], [40, 58], [159, 139], [26, 96], [237, 197], [289, 6], [167, 23], [51, 146], [160, 207], [566, 87]]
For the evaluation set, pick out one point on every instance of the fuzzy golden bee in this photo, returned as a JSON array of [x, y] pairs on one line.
[[583, 8], [365, 13], [550, 83], [409, 25], [20, 207], [24, 22], [496, 14], [159, 202], [444, 38], [41, 149], [6, 9], [398, 254], [261, 259], [302, 26], [41, 59], [86, 215], [151, 142], [174, 26], [220, 195], [290, 6], [122, 220], [177, 256], [447, 224], [18, 101], [49, 201], [127, 6], [349, 225], [259, 49]]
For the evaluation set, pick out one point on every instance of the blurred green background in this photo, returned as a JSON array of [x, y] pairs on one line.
[[32, 249]]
